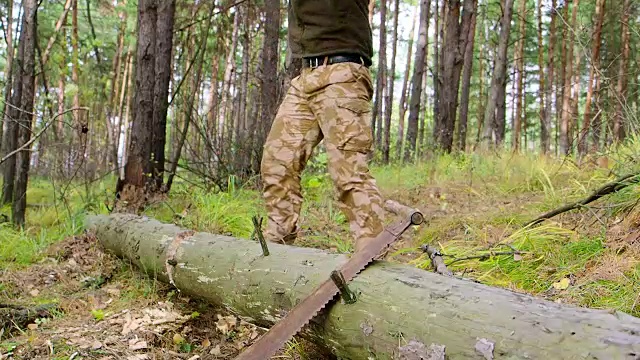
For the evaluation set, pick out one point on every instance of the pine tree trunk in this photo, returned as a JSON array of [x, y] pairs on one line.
[[10, 133], [386, 145], [583, 143], [436, 63], [241, 129], [230, 65], [494, 113], [75, 62], [269, 81], [453, 48], [27, 74], [574, 121], [596, 124], [163, 60], [405, 89], [214, 97], [126, 131], [8, 69], [113, 136], [566, 99], [378, 115], [517, 123], [482, 96], [467, 72], [416, 82], [545, 131], [138, 166], [619, 122], [372, 6]]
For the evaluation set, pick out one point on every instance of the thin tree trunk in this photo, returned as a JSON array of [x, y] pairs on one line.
[[372, 5], [619, 122], [566, 99], [545, 131], [596, 124], [583, 143], [386, 145], [27, 73], [163, 60], [126, 108], [10, 141], [269, 81], [138, 166], [425, 103], [8, 71], [453, 48], [574, 121], [226, 82], [405, 88], [416, 82], [241, 130], [436, 62], [214, 96], [542, 112], [189, 108], [378, 114], [74, 69], [467, 71], [482, 102], [494, 112], [58, 128], [517, 123], [113, 135]]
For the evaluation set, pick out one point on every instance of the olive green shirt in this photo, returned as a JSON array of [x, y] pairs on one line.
[[329, 27]]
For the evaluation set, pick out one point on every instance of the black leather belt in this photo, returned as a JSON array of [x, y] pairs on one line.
[[314, 62]]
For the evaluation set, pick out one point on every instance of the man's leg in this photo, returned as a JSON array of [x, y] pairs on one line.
[[344, 114], [294, 134]]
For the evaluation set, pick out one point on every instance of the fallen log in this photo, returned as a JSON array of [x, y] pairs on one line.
[[400, 310]]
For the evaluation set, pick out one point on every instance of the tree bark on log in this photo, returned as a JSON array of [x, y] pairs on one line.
[[399, 308]]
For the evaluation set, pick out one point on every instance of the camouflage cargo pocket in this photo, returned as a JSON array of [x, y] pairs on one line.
[[354, 125]]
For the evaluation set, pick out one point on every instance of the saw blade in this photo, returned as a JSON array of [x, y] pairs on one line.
[[311, 305]]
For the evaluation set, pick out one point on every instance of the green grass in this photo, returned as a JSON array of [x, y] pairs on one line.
[[488, 197]]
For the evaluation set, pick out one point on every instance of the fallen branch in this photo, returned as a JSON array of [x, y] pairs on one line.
[[486, 256], [606, 189], [16, 316]]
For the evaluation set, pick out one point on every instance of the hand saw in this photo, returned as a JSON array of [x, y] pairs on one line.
[[309, 307]]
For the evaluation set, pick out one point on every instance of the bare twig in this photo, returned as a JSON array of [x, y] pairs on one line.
[[36, 136], [436, 260], [606, 189]]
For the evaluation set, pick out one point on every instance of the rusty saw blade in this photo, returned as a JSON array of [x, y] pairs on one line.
[[309, 307]]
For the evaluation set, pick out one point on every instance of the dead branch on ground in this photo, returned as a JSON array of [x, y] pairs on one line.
[[606, 189]]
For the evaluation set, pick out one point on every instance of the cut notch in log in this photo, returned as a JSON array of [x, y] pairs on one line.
[[397, 304]]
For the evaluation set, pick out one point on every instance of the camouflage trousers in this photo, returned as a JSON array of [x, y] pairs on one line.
[[330, 102]]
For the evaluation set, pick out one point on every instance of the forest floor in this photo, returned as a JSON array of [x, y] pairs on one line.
[[476, 206]]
